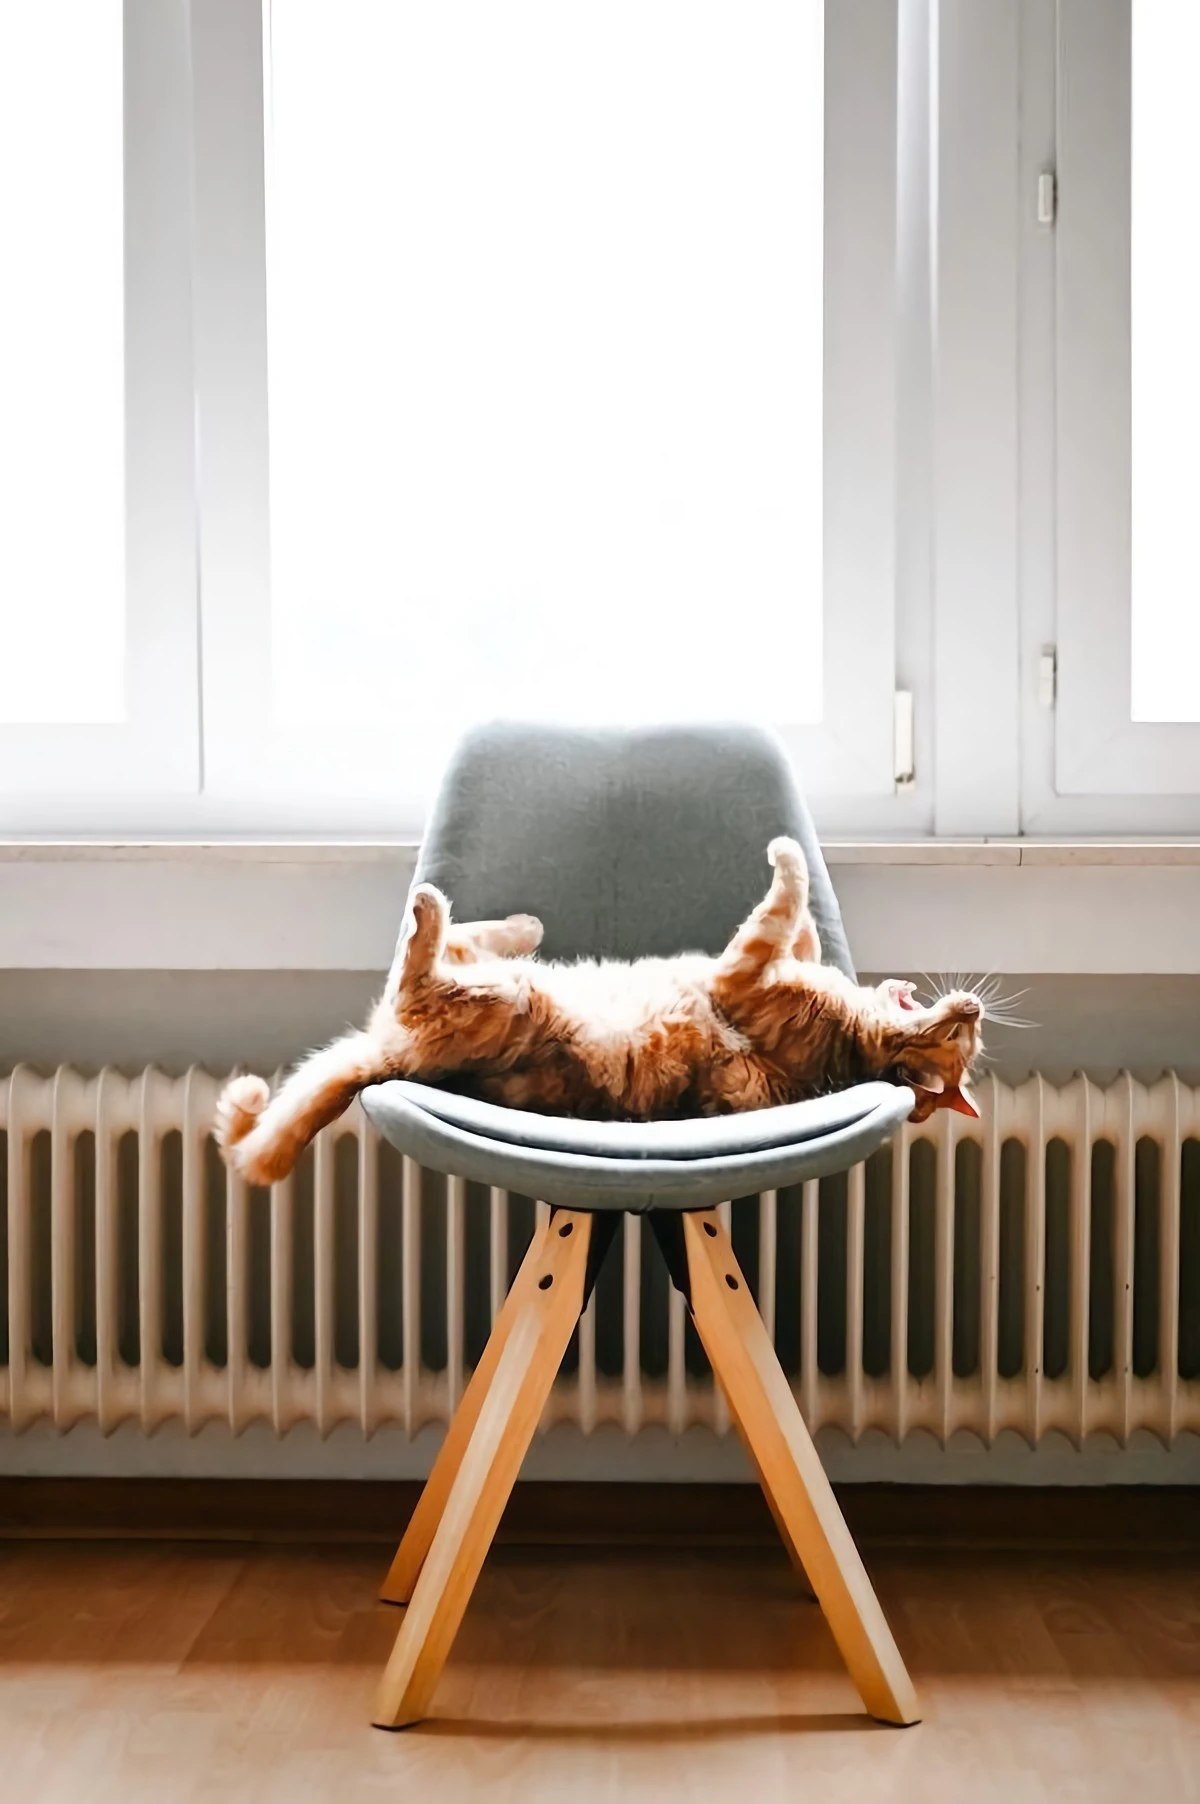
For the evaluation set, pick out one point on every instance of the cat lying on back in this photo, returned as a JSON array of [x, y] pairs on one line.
[[765, 1022]]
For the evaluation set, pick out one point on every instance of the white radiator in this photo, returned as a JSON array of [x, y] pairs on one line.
[[1036, 1270]]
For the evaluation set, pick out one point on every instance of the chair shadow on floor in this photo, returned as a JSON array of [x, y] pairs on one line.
[[651, 1731]]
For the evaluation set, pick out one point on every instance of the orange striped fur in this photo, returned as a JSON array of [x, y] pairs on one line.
[[764, 1022]]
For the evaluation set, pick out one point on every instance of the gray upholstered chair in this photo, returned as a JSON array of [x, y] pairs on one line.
[[625, 844]]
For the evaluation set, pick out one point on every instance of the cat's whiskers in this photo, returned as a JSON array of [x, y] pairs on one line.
[[999, 1005], [1002, 1010], [945, 983]]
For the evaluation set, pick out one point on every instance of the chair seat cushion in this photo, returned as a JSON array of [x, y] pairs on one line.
[[698, 1137], [635, 1164]]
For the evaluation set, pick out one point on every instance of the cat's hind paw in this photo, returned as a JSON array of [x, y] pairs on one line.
[[783, 854], [239, 1106]]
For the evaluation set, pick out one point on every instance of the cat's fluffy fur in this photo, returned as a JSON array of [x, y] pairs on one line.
[[765, 1022]]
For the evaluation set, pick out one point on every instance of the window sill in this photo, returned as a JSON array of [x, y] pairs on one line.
[[1061, 907], [1023, 853], [208, 851], [1016, 852]]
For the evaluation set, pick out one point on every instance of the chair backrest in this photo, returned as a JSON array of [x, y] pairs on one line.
[[625, 843]]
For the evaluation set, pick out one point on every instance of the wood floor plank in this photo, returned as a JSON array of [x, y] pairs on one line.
[[129, 1675]]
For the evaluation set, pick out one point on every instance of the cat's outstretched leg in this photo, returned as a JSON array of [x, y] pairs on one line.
[[434, 1016], [770, 932], [262, 1136]]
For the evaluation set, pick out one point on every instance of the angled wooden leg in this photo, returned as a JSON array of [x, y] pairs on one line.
[[780, 1521], [760, 1398], [418, 1536], [544, 1321], [668, 1231]]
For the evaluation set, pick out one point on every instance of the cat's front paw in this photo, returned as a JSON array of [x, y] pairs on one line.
[[430, 911], [525, 933]]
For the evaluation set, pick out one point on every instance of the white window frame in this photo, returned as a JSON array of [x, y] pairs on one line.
[[1029, 517], [1100, 749], [260, 776], [66, 775], [1089, 767], [973, 522]]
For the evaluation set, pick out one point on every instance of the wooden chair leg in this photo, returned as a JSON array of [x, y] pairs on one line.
[[760, 1398], [418, 1536], [780, 1521], [668, 1231], [542, 1325]]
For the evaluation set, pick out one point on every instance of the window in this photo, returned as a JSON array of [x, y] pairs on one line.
[[544, 329], [375, 366], [1164, 364], [1128, 467], [62, 365], [97, 587], [407, 364], [549, 323]]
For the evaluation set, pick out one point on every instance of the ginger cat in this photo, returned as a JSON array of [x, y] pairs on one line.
[[765, 1022]]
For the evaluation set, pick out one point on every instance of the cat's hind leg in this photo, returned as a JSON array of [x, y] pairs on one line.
[[770, 931], [263, 1136]]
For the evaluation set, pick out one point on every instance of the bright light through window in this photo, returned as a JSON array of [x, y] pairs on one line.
[[544, 305], [1166, 361], [62, 521]]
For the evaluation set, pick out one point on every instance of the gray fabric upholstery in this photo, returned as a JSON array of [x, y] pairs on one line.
[[624, 843], [697, 1137], [585, 1180]]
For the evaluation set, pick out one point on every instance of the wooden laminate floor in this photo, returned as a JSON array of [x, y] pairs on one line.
[[182, 1673]]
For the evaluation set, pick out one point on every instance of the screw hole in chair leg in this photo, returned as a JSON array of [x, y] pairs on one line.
[[546, 1282], [731, 1280], [710, 1230], [568, 1227]]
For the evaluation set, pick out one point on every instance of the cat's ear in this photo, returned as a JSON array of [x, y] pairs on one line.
[[959, 1098], [945, 1096]]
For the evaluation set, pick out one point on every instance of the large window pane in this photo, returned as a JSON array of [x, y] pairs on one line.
[[1166, 361], [62, 532], [544, 305]]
